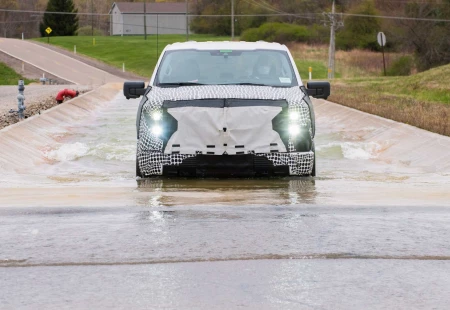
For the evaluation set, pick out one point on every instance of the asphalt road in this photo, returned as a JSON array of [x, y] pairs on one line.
[[55, 63]]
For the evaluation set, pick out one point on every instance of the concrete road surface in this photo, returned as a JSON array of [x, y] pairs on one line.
[[224, 257], [370, 231], [55, 63]]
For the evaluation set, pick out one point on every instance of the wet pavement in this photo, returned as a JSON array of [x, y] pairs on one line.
[[262, 284], [371, 231]]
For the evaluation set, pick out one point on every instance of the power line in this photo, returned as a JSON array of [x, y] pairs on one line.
[[396, 17], [242, 15], [17, 22], [253, 2]]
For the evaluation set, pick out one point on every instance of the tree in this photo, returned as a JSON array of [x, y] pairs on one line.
[[61, 24], [360, 32], [8, 20], [429, 40], [222, 25]]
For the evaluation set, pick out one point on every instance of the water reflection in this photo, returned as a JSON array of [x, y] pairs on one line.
[[169, 192]]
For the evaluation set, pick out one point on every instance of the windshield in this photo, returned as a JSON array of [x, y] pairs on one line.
[[226, 67]]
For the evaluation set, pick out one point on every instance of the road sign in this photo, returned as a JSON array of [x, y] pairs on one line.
[[48, 30], [381, 38]]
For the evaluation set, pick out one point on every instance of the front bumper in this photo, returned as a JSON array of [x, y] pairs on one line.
[[245, 165]]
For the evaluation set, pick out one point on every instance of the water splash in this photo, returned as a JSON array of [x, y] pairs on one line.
[[68, 152], [351, 150]]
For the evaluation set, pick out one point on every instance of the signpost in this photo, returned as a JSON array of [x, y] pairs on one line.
[[48, 30], [381, 38]]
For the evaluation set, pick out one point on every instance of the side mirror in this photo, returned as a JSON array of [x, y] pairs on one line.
[[320, 90], [134, 89]]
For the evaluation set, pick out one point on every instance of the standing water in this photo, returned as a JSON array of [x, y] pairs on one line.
[[358, 157]]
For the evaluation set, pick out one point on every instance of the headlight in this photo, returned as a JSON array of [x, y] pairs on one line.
[[293, 116], [294, 130], [156, 116], [156, 130]]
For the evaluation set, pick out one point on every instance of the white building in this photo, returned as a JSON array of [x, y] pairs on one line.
[[127, 18]]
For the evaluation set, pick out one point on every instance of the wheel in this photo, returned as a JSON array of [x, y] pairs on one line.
[[138, 170], [313, 172]]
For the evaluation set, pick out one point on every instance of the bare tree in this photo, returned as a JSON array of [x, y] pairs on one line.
[[429, 40]]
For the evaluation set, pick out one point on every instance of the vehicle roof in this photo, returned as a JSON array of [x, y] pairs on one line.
[[217, 45]]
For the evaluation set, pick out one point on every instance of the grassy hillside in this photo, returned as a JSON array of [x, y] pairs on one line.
[[422, 100], [9, 77]]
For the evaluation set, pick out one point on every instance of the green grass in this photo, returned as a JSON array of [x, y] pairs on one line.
[[139, 55], [9, 77], [428, 86], [319, 69], [421, 100]]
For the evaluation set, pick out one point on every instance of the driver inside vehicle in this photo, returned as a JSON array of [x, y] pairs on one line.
[[264, 68]]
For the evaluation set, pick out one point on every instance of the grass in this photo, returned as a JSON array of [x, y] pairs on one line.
[[421, 100], [139, 55], [319, 70], [9, 77], [349, 64]]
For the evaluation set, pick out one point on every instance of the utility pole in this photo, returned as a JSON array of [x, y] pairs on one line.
[[187, 21], [92, 17], [232, 20], [332, 43], [145, 21]]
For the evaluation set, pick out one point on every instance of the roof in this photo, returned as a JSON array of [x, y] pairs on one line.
[[241, 45], [154, 7]]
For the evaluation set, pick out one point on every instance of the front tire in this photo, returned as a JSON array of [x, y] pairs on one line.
[[138, 169], [313, 172]]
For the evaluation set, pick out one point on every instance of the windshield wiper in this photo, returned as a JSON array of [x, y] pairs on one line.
[[254, 84], [180, 84]]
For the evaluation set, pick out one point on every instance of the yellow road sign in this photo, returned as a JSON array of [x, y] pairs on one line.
[[48, 30]]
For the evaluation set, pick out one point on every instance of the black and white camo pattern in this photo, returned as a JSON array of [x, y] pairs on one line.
[[150, 148]]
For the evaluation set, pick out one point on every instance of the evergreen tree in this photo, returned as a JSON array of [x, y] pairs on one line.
[[61, 24]]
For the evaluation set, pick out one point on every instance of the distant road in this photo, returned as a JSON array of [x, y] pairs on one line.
[[56, 63]]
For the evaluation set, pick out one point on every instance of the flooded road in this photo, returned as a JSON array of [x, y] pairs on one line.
[[371, 231]]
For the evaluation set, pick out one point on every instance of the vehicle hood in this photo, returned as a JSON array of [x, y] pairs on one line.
[[155, 98]]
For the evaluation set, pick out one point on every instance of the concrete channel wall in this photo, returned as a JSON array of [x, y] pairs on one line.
[[397, 142], [21, 143]]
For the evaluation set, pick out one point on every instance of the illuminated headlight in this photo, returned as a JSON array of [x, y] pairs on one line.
[[156, 116], [294, 130], [156, 130], [293, 116]]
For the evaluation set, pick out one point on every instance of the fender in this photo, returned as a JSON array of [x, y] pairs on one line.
[[139, 111]]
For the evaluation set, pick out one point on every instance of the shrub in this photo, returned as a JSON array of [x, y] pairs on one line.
[[87, 31], [277, 32], [319, 34], [360, 32], [251, 35], [401, 67]]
